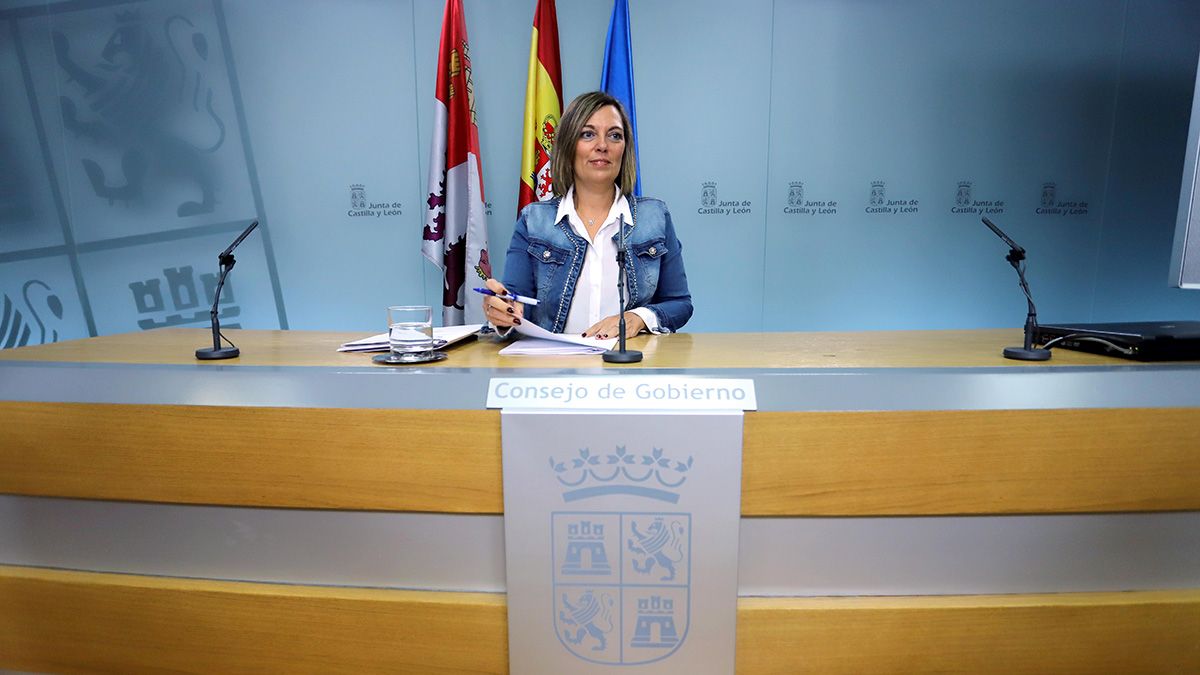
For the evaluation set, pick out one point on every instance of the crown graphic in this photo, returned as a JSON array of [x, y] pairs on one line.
[[709, 184], [357, 186], [1049, 184], [876, 183], [796, 183], [965, 183], [621, 472]]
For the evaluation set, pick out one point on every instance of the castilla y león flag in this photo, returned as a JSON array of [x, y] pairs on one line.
[[543, 106], [455, 234]]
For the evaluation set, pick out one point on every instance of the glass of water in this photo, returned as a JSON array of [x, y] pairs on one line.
[[410, 331]]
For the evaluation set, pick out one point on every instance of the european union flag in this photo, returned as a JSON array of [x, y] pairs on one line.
[[617, 76]]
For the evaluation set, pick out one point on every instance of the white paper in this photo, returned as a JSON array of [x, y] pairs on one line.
[[532, 330], [452, 334], [448, 335], [528, 346]]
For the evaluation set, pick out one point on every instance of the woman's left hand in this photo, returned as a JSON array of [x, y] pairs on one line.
[[609, 327]]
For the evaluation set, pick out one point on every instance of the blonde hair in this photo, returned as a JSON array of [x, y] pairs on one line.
[[579, 111]]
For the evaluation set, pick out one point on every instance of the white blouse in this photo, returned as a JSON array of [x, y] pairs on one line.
[[596, 289]]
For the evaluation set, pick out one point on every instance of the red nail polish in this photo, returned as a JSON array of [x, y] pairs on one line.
[[517, 321]]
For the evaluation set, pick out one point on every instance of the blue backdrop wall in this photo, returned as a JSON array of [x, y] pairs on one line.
[[851, 148]]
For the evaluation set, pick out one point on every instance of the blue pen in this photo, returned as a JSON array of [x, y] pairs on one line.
[[510, 296]]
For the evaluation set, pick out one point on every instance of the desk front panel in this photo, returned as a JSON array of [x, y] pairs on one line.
[[795, 463], [84, 622], [865, 444]]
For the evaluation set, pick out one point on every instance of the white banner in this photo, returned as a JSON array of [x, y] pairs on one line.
[[625, 392], [621, 540]]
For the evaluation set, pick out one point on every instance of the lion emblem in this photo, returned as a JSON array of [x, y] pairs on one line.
[[661, 544], [591, 616], [41, 303], [144, 102]]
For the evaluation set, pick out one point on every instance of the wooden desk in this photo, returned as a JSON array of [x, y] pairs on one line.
[[875, 349], [893, 456]]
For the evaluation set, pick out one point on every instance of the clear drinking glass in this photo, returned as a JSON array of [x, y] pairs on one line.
[[410, 330]]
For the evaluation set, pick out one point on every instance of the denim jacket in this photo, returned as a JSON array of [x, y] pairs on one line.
[[545, 258]]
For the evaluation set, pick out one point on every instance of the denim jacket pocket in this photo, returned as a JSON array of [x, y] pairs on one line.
[[549, 264], [648, 258], [650, 250]]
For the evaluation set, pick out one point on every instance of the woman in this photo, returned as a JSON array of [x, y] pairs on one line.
[[564, 251]]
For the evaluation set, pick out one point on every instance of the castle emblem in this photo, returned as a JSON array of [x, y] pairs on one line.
[[586, 554], [655, 623], [187, 304]]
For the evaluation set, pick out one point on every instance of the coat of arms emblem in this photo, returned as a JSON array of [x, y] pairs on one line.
[[622, 580], [962, 197], [1049, 194], [621, 584], [877, 193], [795, 194]]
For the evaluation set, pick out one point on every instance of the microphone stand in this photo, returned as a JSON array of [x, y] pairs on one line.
[[1016, 258], [226, 261], [622, 355]]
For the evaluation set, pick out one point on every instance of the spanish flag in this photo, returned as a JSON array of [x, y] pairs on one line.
[[455, 232], [543, 106]]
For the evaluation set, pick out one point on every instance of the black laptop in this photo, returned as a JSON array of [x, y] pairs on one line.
[[1143, 341]]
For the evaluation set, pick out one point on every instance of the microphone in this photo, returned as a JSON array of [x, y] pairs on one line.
[[1000, 233], [622, 355], [226, 261], [1016, 258]]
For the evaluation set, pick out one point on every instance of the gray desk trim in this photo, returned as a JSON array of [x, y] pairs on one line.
[[779, 556], [466, 388]]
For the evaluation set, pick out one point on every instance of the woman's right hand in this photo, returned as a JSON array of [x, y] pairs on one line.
[[501, 312]]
